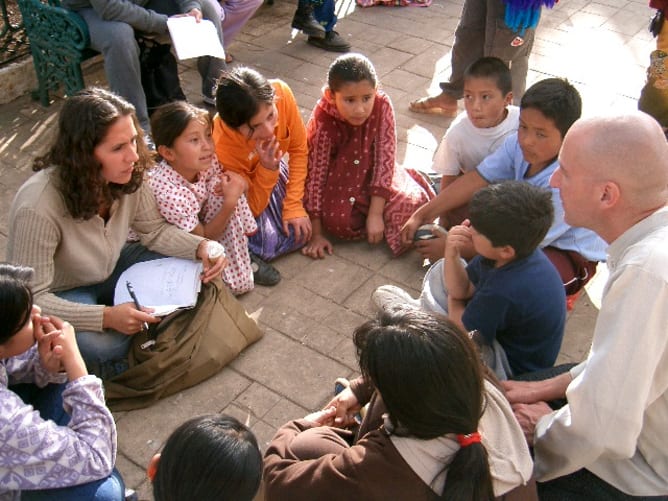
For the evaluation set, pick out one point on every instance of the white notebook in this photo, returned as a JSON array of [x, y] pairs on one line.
[[165, 284], [192, 39]]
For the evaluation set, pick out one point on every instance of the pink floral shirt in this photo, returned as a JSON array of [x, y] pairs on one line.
[[186, 204]]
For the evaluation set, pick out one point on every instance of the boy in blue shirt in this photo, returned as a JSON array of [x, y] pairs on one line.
[[547, 110], [510, 292]]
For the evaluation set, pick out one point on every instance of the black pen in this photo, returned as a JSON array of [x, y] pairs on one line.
[[131, 291]]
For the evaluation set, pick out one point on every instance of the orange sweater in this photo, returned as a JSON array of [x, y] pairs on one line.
[[237, 153]]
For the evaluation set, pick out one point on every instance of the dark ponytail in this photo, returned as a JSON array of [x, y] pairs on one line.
[[430, 377]]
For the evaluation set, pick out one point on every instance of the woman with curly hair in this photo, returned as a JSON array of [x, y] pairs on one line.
[[70, 222]]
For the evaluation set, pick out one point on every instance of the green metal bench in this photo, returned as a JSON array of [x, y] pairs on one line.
[[59, 44]]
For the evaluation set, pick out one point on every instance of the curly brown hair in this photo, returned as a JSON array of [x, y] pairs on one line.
[[83, 123]]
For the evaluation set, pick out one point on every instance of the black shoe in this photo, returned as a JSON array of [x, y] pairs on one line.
[[332, 42], [306, 22], [263, 272]]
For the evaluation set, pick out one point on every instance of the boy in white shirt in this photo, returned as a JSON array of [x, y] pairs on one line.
[[473, 135]]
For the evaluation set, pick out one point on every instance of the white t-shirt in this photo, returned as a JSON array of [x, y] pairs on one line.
[[464, 146]]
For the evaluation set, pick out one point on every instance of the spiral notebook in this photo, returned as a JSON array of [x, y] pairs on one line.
[[165, 285]]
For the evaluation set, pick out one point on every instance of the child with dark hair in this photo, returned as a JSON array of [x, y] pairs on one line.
[[354, 187], [57, 437], [258, 122], [208, 458], [510, 293], [547, 110], [489, 119], [195, 194], [435, 427]]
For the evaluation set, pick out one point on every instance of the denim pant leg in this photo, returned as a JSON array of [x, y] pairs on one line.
[[102, 350], [116, 41], [111, 488], [48, 401], [324, 12], [96, 348]]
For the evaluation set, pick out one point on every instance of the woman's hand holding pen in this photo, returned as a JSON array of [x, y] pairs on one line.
[[126, 318]]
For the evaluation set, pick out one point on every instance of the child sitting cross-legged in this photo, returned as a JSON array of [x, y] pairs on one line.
[[510, 292], [354, 188]]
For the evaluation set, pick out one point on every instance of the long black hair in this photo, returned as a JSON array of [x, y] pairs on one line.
[[430, 377]]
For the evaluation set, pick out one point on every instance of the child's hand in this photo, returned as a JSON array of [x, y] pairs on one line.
[[409, 228], [375, 228], [324, 417], [231, 186], [301, 227], [317, 247], [269, 152], [59, 350], [346, 405], [459, 240], [432, 249]]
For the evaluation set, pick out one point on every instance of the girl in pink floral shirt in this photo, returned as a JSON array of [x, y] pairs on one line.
[[194, 194]]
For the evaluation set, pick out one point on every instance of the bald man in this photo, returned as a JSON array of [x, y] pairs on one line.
[[610, 441]]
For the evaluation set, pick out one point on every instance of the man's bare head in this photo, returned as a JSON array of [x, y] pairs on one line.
[[613, 172]]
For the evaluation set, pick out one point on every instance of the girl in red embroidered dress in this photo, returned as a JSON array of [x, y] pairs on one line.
[[354, 188]]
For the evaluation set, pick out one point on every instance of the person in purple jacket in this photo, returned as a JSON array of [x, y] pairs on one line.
[[57, 437]]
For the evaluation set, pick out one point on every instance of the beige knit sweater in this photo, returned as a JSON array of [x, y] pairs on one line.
[[67, 253]]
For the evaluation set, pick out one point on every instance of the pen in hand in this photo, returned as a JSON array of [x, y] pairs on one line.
[[131, 291]]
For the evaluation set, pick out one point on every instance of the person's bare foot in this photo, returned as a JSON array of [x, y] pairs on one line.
[[442, 104]]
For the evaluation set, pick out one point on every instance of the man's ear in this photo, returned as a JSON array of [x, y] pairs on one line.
[[152, 468], [610, 194], [166, 152]]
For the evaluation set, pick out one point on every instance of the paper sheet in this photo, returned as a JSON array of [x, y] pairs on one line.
[[193, 39], [163, 284]]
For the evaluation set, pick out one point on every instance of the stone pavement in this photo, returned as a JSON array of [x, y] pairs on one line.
[[601, 46]]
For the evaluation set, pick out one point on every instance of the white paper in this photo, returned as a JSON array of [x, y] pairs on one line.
[[193, 39], [163, 284]]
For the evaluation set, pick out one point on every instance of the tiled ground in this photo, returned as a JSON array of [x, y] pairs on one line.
[[601, 46]]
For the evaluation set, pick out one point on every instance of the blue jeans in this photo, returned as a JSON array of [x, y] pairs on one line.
[[116, 41], [323, 11], [105, 352], [48, 401]]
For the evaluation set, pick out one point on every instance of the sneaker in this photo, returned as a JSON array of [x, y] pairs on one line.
[[305, 21], [263, 272], [332, 42], [392, 298]]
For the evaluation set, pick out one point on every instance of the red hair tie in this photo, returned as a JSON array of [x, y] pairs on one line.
[[466, 440]]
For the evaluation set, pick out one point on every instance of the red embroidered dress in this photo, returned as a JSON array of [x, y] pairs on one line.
[[347, 165]]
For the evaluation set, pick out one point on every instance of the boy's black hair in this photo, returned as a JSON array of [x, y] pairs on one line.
[[209, 458], [491, 68], [513, 213], [555, 98]]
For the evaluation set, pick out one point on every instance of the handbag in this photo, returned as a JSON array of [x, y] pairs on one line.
[[159, 74], [190, 346]]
